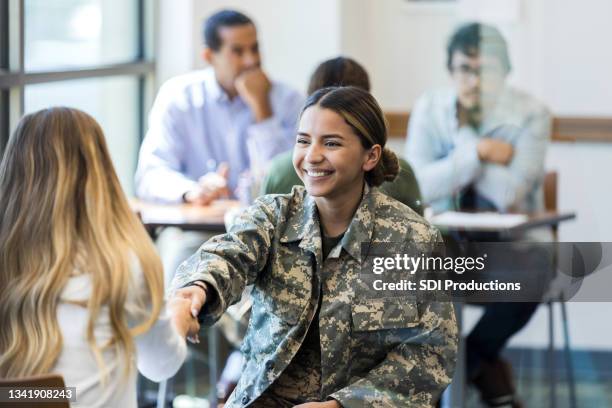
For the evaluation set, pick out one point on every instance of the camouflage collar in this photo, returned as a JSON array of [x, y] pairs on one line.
[[362, 225], [304, 225]]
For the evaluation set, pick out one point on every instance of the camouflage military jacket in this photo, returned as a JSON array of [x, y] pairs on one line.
[[375, 352]]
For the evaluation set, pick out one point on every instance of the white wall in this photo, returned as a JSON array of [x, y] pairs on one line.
[[174, 39], [575, 60], [406, 49]]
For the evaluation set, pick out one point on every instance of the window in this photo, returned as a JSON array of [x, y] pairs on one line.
[[93, 55]]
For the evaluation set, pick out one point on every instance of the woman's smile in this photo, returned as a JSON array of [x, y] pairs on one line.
[[318, 174], [328, 155]]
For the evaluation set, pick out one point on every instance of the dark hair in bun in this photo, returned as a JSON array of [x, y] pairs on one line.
[[362, 113]]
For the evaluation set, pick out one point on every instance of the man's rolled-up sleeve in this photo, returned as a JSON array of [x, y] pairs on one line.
[[440, 175], [276, 134], [507, 186], [159, 174]]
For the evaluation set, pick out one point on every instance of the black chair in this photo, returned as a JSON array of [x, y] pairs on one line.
[[550, 204]]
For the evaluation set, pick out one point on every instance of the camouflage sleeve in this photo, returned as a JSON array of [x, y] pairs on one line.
[[417, 370], [229, 262]]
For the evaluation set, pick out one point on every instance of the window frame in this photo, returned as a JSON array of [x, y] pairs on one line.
[[14, 78]]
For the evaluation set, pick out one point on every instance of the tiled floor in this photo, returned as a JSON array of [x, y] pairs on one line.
[[593, 373]]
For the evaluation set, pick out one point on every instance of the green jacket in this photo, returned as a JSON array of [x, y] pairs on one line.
[[376, 351], [281, 177]]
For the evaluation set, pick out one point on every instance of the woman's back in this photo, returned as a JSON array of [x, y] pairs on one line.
[[76, 362], [80, 280], [160, 351]]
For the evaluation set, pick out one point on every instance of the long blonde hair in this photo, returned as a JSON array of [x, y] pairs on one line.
[[62, 209]]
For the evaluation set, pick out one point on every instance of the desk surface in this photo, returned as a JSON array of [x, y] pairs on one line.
[[211, 218], [531, 221], [185, 216]]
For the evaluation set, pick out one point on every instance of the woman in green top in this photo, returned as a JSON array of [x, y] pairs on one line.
[[341, 71]]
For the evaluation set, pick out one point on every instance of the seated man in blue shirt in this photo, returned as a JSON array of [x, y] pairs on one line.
[[481, 146], [230, 113], [208, 127]]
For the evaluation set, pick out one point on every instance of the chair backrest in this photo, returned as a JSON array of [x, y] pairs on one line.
[[550, 191], [41, 381], [550, 198]]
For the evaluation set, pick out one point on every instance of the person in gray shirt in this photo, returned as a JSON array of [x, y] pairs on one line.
[[480, 145], [480, 134]]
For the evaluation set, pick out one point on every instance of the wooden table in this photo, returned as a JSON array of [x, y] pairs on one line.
[[187, 217]]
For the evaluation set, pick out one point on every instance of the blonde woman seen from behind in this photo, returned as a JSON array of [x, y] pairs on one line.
[[81, 290]]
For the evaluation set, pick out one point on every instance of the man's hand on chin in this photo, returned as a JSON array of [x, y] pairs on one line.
[[253, 86]]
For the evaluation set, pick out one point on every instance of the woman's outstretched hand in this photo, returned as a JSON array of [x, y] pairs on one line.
[[196, 294], [196, 297], [182, 318]]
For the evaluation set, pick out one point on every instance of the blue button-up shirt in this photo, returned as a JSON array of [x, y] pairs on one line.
[[445, 159], [194, 126]]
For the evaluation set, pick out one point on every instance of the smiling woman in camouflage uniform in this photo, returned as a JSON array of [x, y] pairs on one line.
[[314, 339]]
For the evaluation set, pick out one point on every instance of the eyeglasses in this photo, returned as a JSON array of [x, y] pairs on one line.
[[466, 72]]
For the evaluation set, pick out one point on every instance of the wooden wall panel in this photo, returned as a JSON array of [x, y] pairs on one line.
[[565, 128]]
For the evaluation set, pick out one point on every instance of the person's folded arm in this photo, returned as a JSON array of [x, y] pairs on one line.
[[507, 186], [440, 173], [229, 262]]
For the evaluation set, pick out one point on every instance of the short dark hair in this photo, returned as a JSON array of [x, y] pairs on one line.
[[339, 71], [223, 18], [476, 38]]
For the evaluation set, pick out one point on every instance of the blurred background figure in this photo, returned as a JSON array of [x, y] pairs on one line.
[[481, 145], [208, 127]]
